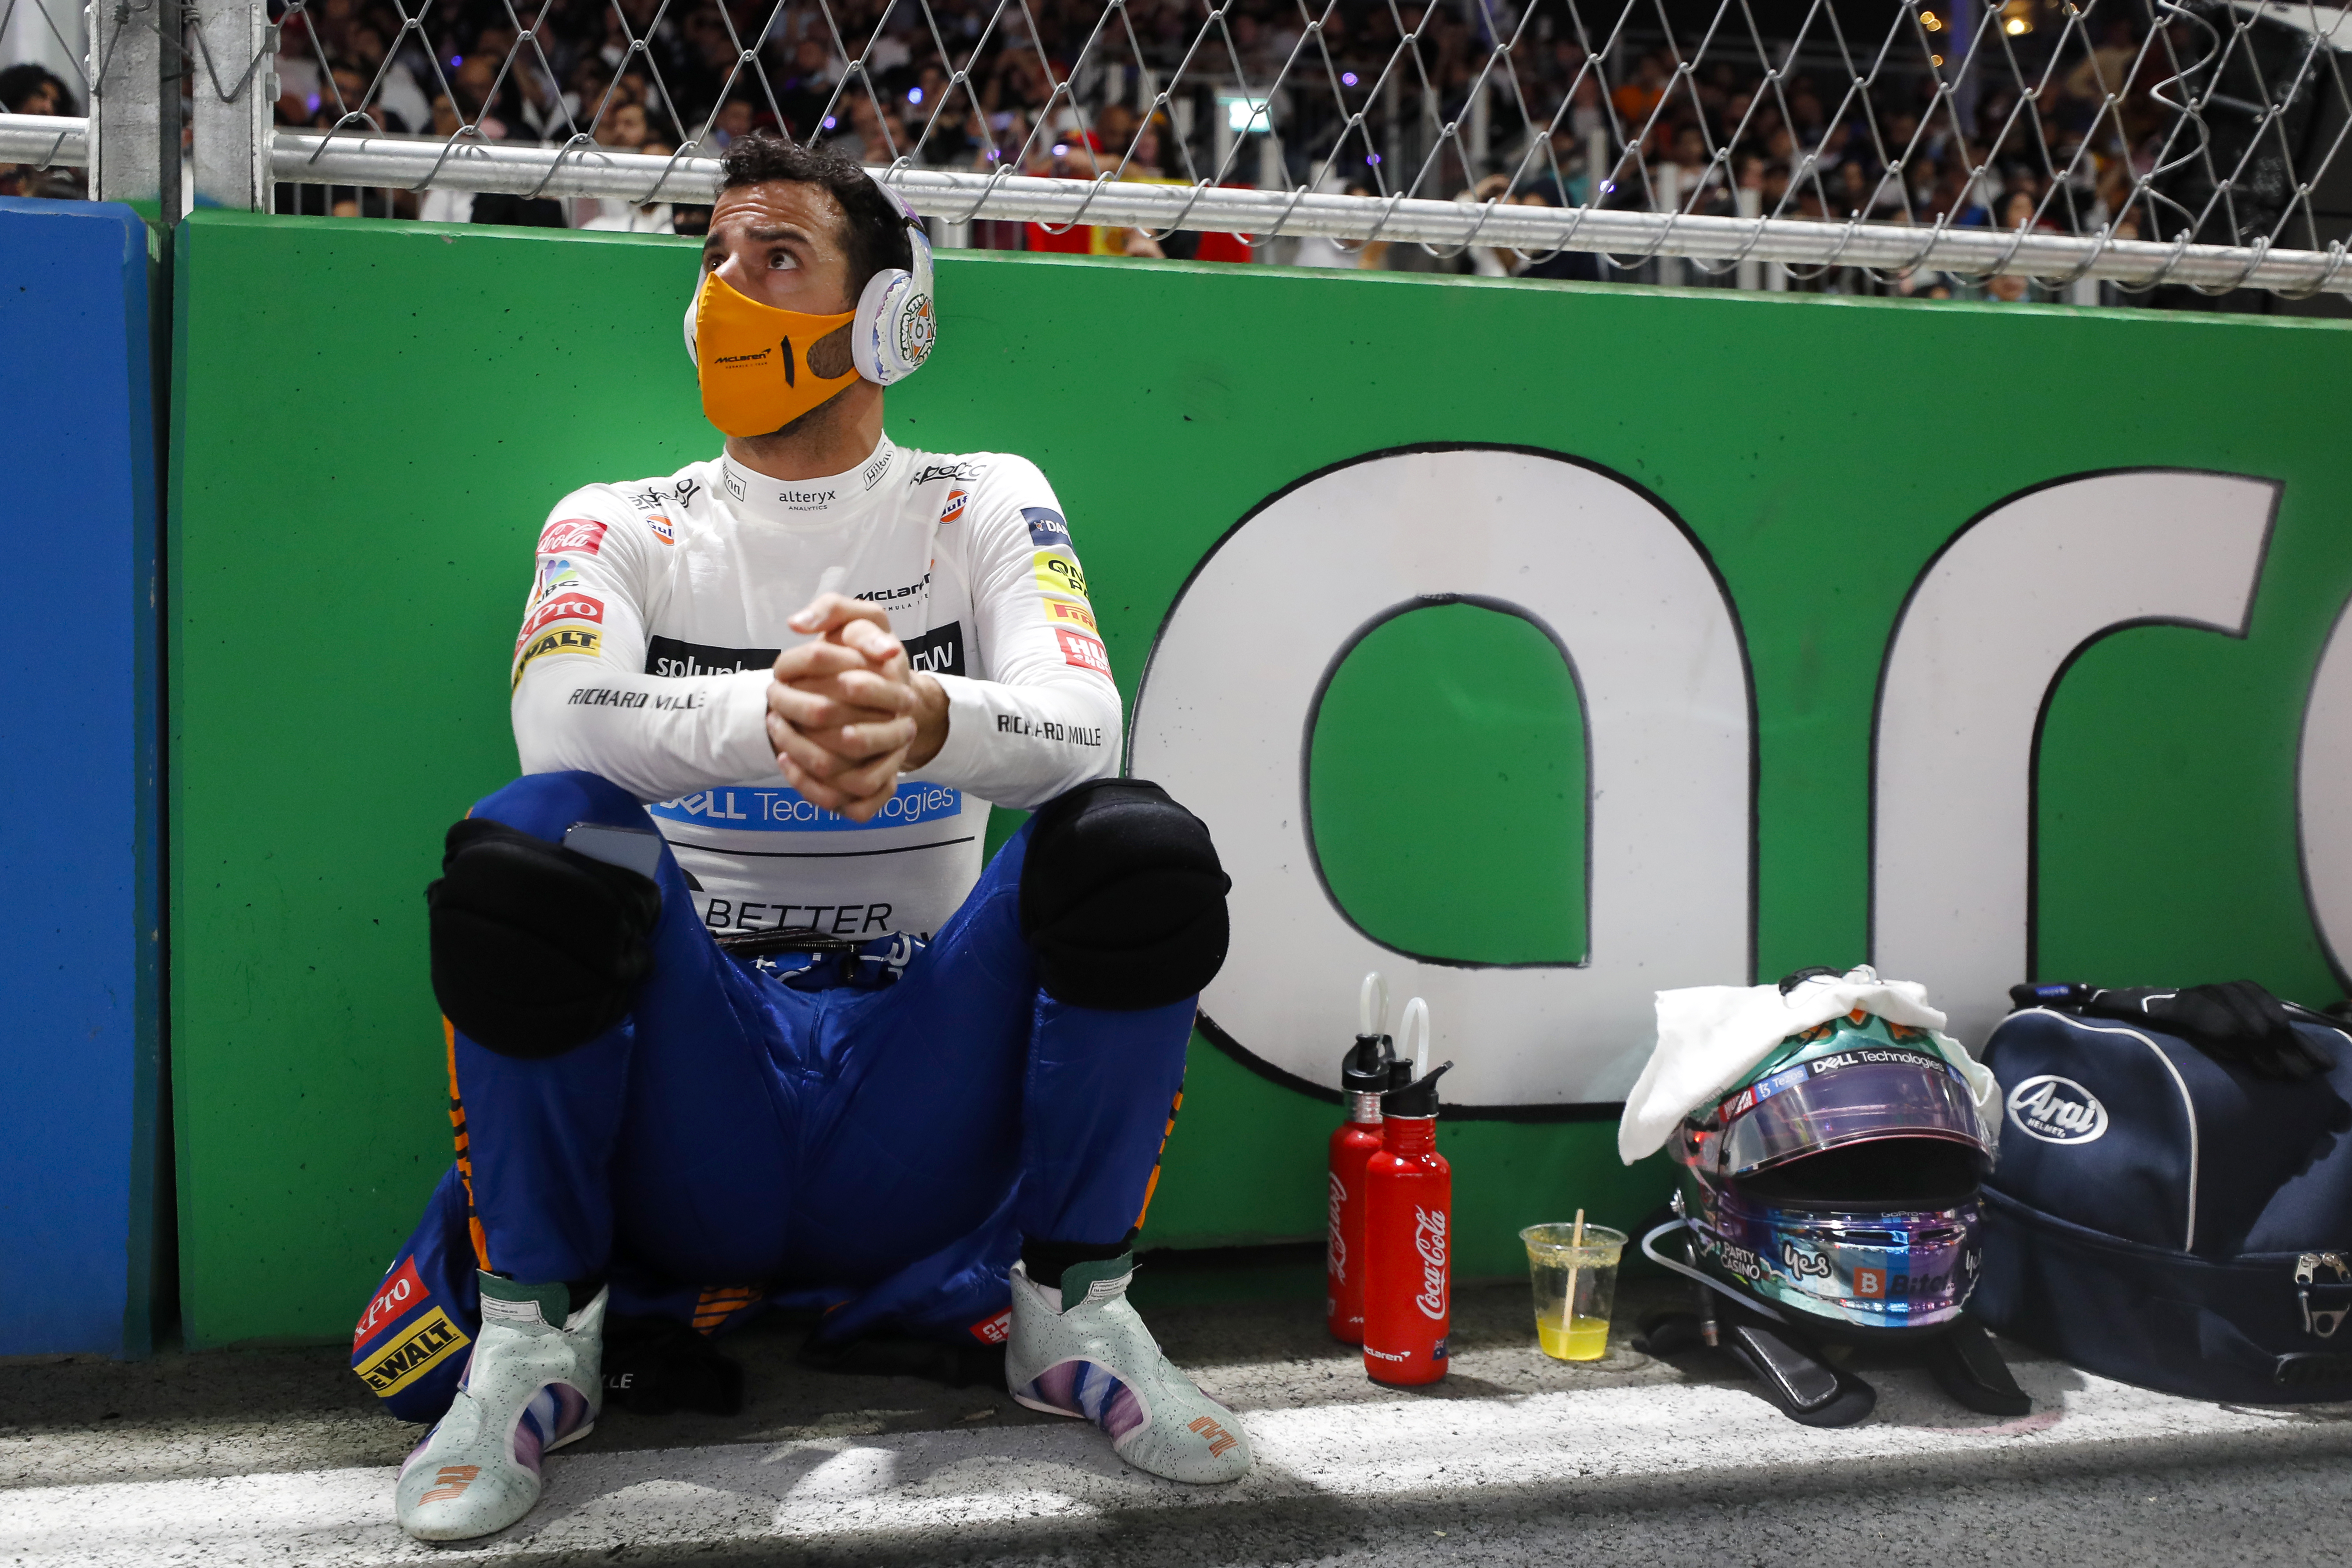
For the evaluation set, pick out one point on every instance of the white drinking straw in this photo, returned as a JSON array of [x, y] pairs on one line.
[[1568, 1307]]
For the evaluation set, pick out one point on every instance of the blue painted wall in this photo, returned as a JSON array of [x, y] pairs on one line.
[[78, 849]]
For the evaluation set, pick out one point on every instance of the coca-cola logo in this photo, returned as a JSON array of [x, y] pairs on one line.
[[1335, 1249], [1429, 1243]]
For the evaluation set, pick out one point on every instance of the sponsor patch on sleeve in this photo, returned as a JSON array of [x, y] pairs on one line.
[[1083, 651], [1059, 574], [577, 535], [1062, 613], [954, 510], [411, 1355], [663, 530], [402, 1292], [561, 608], [1046, 529], [585, 640]]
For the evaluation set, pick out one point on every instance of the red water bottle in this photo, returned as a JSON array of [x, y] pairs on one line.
[[1366, 1072], [1408, 1235]]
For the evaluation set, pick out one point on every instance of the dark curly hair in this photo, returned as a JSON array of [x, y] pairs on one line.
[[876, 231]]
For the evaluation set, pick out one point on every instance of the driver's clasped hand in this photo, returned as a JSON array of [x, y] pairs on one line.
[[843, 709]]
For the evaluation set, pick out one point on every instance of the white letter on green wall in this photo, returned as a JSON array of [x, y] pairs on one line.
[[1989, 628], [2324, 796], [1223, 716]]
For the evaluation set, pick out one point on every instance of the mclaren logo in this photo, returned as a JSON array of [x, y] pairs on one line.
[[2056, 1110]]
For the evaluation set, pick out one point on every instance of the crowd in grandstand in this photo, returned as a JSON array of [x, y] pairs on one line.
[[1719, 136]]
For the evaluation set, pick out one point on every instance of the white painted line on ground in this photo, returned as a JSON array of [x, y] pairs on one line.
[[838, 1490]]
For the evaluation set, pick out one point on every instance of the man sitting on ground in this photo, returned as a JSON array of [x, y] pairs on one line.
[[781, 1038]]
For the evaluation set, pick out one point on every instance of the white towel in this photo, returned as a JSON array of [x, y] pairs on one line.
[[1711, 1037]]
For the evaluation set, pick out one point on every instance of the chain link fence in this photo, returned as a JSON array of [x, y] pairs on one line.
[[2012, 147]]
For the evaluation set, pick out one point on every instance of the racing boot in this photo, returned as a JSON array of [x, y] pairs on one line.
[[1081, 1349], [533, 1384]]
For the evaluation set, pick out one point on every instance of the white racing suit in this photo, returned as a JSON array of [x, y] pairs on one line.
[[660, 605]]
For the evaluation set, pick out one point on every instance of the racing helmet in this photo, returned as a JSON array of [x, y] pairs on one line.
[[1839, 1183]]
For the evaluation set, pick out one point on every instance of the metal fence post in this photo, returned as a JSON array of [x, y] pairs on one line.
[[1482, 133], [1666, 197], [126, 97], [234, 84], [1749, 272]]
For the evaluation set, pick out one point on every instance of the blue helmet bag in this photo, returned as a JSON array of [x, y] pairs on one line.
[[2169, 1219]]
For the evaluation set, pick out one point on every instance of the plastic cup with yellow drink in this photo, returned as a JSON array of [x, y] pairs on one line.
[[1574, 1268]]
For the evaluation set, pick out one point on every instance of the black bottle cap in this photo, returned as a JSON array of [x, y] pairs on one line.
[[1366, 1068], [1416, 1098]]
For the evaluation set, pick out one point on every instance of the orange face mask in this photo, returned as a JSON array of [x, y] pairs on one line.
[[753, 359]]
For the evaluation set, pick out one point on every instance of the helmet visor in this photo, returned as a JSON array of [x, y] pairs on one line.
[[1850, 1096]]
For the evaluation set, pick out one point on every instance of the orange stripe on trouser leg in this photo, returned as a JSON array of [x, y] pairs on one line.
[[465, 1151], [1152, 1185], [720, 1302]]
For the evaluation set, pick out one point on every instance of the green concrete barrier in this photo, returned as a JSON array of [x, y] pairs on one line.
[[371, 420]]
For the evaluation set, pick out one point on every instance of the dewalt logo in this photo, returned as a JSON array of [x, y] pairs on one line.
[[432, 1342], [560, 640]]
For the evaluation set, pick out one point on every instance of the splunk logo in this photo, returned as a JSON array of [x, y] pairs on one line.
[[2056, 1110]]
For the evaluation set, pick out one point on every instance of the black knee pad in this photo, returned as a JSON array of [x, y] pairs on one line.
[[1122, 899], [537, 949]]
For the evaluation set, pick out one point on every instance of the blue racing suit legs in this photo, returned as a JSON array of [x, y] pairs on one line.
[[893, 1142]]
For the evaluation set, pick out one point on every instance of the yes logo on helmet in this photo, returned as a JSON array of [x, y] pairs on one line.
[[2056, 1110]]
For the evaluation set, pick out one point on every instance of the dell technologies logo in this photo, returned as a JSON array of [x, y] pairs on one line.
[[2056, 1110]]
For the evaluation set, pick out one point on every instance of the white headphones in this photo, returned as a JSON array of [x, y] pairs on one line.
[[894, 328]]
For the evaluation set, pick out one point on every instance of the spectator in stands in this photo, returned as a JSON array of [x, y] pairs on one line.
[[639, 70], [1078, 158], [475, 83], [443, 205], [624, 129], [546, 113], [1315, 250], [859, 134], [591, 91], [400, 102], [1578, 265], [804, 94], [732, 124], [1643, 92], [35, 90], [625, 218]]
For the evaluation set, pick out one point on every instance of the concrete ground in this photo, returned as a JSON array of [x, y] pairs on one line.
[[275, 1457]]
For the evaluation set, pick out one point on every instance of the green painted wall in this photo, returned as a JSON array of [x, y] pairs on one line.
[[371, 420]]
